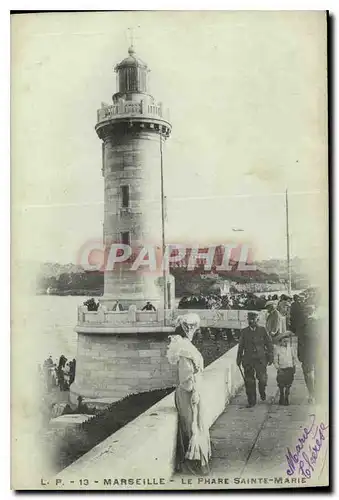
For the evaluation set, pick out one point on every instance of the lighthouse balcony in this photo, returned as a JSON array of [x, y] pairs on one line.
[[130, 109]]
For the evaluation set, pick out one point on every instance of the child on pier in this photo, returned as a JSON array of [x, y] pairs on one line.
[[284, 360]]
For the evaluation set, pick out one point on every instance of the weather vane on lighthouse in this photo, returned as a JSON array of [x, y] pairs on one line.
[[131, 36]]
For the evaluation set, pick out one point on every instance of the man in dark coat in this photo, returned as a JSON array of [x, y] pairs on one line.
[[308, 348], [255, 352], [148, 307], [297, 317], [305, 327]]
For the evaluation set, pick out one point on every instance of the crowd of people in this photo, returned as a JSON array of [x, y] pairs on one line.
[[292, 334], [245, 301], [240, 301], [287, 319], [201, 301], [59, 374]]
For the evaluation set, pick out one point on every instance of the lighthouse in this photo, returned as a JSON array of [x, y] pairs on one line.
[[133, 131], [121, 352]]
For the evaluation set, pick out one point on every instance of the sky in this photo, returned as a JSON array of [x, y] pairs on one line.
[[246, 92]]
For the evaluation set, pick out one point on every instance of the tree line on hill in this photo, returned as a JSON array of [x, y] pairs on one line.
[[74, 283], [56, 279]]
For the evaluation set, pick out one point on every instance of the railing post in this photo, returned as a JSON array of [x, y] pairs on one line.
[[160, 314], [132, 313], [101, 315], [81, 314]]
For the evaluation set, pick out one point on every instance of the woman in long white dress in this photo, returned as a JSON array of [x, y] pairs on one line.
[[193, 444]]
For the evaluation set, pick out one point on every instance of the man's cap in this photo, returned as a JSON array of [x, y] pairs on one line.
[[252, 314]]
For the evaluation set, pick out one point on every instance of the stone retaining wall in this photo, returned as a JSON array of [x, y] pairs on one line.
[[145, 448], [213, 318], [113, 366], [121, 353]]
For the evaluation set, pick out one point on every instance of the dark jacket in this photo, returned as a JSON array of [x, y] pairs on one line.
[[297, 318], [309, 342], [255, 346], [149, 307]]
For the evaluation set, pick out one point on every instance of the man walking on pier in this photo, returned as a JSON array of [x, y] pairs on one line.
[[255, 352]]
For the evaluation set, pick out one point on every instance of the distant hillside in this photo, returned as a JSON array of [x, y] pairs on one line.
[[71, 279], [195, 282], [54, 269], [68, 279]]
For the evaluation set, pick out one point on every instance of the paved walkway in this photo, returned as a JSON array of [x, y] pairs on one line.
[[253, 442]]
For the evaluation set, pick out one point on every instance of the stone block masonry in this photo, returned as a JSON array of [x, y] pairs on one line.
[[113, 366], [139, 151]]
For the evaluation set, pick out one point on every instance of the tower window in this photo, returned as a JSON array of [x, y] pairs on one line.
[[125, 196], [125, 238]]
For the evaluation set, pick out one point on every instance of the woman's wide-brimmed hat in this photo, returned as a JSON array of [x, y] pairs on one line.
[[189, 318], [271, 304], [282, 335]]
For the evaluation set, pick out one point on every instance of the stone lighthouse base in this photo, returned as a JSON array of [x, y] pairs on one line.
[[115, 362]]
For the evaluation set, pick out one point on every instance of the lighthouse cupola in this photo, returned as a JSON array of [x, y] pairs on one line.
[[131, 75]]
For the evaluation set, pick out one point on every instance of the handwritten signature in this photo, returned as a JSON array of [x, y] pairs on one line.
[[305, 455]]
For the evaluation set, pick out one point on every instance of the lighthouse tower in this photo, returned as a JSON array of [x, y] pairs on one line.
[[124, 352], [133, 130]]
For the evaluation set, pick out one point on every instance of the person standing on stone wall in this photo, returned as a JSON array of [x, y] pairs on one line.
[[60, 372], [91, 305], [148, 307], [193, 440], [117, 307], [255, 352], [72, 365], [48, 361]]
